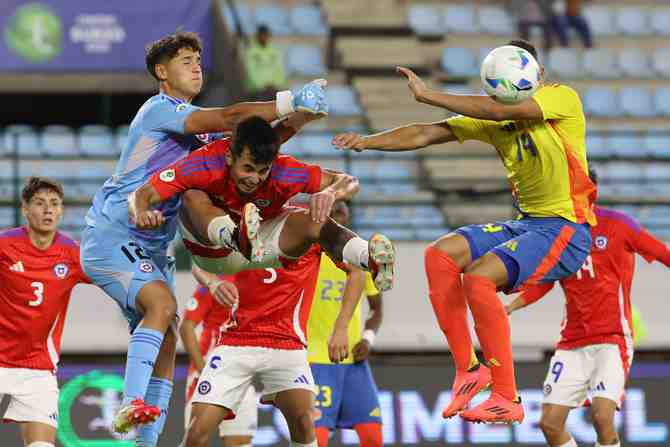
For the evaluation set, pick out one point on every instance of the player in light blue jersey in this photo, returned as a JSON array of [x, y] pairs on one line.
[[133, 266]]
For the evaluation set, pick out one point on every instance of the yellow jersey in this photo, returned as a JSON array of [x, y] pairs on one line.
[[545, 159], [325, 308]]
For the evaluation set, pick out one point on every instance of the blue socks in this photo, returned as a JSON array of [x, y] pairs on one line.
[[142, 352], [158, 393]]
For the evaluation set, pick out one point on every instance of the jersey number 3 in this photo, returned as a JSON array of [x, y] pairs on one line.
[[38, 291]]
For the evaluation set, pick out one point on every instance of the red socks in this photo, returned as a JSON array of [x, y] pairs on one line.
[[493, 331], [322, 435], [369, 435], [448, 300]]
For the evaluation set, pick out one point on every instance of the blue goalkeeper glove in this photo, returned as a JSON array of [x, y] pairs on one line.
[[310, 99]]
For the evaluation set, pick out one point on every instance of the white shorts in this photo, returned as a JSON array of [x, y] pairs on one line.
[[230, 371], [246, 417], [591, 371], [34, 395], [233, 262]]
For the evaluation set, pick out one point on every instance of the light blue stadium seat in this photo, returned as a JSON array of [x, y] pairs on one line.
[[342, 101], [96, 140], [565, 63], [398, 188], [483, 52], [58, 141], [601, 101], [636, 102], [633, 21], [624, 172], [656, 143], [600, 19], [425, 20], [363, 171], [596, 146], [460, 19], [662, 101], [601, 63], [121, 138], [657, 172], [661, 61], [459, 62], [275, 17], [244, 15], [660, 18], [24, 138], [304, 61], [318, 145], [293, 147], [308, 20], [431, 234], [427, 216], [400, 234], [634, 63], [392, 171], [90, 179], [7, 216], [496, 20], [625, 142]]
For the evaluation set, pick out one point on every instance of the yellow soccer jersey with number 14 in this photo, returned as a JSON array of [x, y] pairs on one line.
[[325, 308], [545, 159]]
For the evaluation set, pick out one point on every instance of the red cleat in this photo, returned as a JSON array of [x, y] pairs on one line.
[[248, 241], [135, 414], [495, 410], [381, 261], [466, 386]]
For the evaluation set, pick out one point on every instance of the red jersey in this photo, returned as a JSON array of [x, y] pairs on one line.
[[35, 292], [598, 306], [206, 169], [274, 305]]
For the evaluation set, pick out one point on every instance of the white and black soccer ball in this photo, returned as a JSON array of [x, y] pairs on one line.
[[510, 74]]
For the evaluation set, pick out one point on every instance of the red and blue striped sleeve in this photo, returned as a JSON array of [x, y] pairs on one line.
[[297, 176]]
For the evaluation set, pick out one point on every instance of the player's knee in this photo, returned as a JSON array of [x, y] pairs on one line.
[[196, 436], [603, 422], [551, 427], [303, 424]]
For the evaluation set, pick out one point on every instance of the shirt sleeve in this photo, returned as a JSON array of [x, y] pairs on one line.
[[536, 292], [648, 246], [197, 171], [558, 102], [167, 116], [296, 176], [466, 128], [370, 288], [198, 306]]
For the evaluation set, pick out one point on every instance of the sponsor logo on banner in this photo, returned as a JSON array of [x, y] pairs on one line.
[[34, 33], [98, 33]]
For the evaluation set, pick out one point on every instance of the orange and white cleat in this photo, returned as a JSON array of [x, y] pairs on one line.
[[381, 261], [248, 241], [496, 410], [134, 414], [466, 386]]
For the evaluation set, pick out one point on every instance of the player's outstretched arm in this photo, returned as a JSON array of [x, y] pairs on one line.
[[225, 292], [528, 297], [404, 138], [334, 186], [474, 106], [292, 124], [190, 342], [338, 344]]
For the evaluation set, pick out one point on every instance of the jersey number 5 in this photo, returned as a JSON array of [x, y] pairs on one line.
[[38, 292], [588, 268]]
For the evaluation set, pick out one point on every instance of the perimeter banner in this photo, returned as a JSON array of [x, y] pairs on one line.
[[92, 35]]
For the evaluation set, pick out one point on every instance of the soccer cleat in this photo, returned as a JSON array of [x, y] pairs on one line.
[[466, 386], [136, 413], [248, 240], [495, 410], [381, 261]]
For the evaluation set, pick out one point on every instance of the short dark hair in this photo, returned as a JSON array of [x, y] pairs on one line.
[[593, 175], [259, 136], [166, 48], [525, 45], [262, 29], [34, 184]]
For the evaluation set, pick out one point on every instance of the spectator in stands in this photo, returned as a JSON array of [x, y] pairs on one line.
[[534, 13], [265, 67], [573, 18]]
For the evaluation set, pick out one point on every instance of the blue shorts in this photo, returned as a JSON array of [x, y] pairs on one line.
[[347, 395], [120, 267], [534, 249]]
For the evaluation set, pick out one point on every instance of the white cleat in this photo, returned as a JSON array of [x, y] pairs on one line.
[[381, 260]]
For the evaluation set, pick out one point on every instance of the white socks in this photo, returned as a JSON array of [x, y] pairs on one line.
[[297, 444], [570, 443], [618, 444], [220, 231], [40, 444], [355, 252]]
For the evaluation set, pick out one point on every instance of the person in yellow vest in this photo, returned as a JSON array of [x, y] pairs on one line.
[[347, 393], [265, 66]]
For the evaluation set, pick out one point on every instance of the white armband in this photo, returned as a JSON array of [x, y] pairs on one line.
[[284, 103], [369, 335]]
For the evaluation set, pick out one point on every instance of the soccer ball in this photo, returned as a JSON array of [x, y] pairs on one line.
[[510, 74]]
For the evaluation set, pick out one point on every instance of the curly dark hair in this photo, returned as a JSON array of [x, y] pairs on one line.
[[259, 136], [34, 184], [165, 49]]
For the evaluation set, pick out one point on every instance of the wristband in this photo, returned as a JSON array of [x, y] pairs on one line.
[[284, 103], [369, 336]]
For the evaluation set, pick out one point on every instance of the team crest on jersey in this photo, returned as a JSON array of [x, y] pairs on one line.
[[192, 304], [146, 267], [203, 137], [181, 107], [263, 202], [167, 176], [61, 270], [601, 242]]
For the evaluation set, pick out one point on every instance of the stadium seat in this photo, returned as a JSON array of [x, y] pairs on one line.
[[304, 61], [600, 63], [275, 17], [565, 63], [96, 140], [23, 138], [365, 172], [400, 234], [636, 101], [342, 101], [308, 20], [495, 20], [600, 19], [425, 20], [244, 15], [58, 141], [596, 146], [633, 21], [7, 216], [427, 216], [661, 62], [483, 52], [662, 101], [431, 234], [121, 138], [459, 62], [460, 19], [634, 63], [657, 172], [318, 145], [398, 188], [660, 18], [656, 143], [601, 101], [393, 171], [624, 172], [90, 179], [625, 142]]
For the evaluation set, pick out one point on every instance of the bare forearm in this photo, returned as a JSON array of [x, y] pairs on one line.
[[190, 342], [481, 107], [142, 199], [204, 278], [516, 304], [376, 314], [353, 290], [404, 138], [345, 187]]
